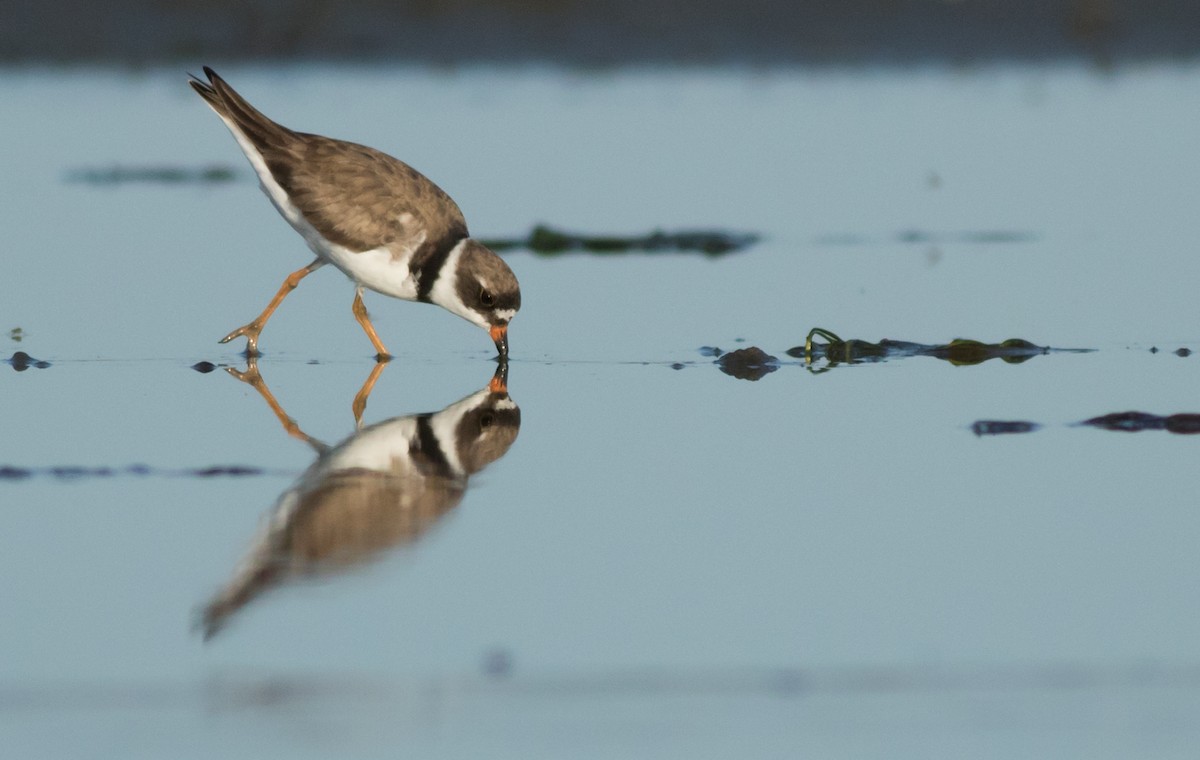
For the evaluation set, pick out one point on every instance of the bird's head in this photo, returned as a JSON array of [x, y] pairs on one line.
[[483, 290]]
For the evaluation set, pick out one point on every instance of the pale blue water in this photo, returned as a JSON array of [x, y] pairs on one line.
[[673, 563]]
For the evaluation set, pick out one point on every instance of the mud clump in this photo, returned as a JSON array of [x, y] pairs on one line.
[[204, 367], [1002, 427], [22, 361], [748, 363]]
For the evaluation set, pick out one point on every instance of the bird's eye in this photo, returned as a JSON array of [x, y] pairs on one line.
[[486, 421], [486, 298]]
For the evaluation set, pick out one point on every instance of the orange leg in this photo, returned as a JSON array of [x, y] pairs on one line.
[[252, 330], [360, 313], [360, 401]]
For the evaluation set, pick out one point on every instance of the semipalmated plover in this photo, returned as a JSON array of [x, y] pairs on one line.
[[381, 222]]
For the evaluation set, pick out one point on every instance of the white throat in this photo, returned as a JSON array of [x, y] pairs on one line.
[[445, 289]]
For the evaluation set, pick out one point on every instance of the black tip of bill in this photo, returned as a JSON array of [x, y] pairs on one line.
[[499, 334]]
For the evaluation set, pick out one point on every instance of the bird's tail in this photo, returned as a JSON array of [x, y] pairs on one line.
[[235, 110]]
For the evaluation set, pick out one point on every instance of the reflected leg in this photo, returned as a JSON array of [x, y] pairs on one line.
[[360, 401], [360, 313], [252, 330], [252, 378]]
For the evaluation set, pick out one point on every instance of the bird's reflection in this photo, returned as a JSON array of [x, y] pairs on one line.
[[384, 486]]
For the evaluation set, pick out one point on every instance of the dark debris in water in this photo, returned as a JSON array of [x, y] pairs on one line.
[[748, 363], [552, 242], [712, 351], [1003, 427], [959, 352], [74, 472], [204, 367], [16, 334], [1135, 422], [22, 361], [163, 175], [498, 663], [1182, 351]]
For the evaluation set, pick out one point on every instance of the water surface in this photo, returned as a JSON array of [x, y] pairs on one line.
[[667, 562]]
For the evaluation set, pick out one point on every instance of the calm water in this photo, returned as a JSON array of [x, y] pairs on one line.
[[666, 562]]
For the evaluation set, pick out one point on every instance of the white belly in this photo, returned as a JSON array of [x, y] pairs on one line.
[[377, 269]]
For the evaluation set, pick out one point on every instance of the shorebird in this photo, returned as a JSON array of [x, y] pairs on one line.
[[381, 222]]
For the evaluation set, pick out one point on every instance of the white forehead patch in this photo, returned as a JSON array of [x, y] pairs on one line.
[[505, 315]]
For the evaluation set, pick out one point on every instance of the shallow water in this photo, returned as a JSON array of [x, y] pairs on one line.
[[668, 561]]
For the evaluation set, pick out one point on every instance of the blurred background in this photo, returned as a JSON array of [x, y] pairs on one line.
[[600, 33]]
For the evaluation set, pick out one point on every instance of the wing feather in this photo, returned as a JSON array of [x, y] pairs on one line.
[[355, 196]]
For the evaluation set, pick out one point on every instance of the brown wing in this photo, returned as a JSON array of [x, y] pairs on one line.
[[361, 198], [355, 196]]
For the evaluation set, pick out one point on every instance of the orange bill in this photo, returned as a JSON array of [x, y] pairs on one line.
[[499, 334]]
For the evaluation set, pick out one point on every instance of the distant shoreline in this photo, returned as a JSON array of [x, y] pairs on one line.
[[602, 33]]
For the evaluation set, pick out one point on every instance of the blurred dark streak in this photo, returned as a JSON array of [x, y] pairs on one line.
[[1136, 422], [73, 472], [270, 692], [547, 241], [926, 237], [1003, 427], [164, 175]]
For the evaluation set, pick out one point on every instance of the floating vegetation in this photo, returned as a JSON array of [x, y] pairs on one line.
[[1135, 422], [748, 363], [16, 334], [959, 352], [22, 361], [548, 241], [164, 175]]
